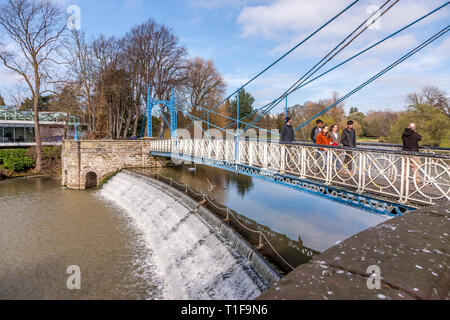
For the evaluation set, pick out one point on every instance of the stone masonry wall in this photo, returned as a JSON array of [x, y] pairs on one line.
[[103, 158]]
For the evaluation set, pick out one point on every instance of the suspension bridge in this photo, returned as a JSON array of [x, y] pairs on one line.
[[383, 180]]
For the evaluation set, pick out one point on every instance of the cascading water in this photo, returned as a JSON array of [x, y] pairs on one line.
[[195, 255]]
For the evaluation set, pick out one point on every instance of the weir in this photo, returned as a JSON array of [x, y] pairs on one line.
[[195, 254]]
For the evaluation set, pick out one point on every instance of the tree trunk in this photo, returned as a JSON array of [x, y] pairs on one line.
[[136, 120], [37, 133], [127, 123], [138, 113]]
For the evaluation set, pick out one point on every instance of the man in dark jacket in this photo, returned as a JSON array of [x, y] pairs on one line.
[[349, 136], [316, 130], [349, 141], [287, 133], [411, 139]]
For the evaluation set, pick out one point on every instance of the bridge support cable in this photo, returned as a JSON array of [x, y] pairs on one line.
[[367, 49], [229, 118], [276, 102], [301, 85], [333, 53], [282, 57], [194, 119], [390, 67]]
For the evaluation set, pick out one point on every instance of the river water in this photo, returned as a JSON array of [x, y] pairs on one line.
[[45, 228]]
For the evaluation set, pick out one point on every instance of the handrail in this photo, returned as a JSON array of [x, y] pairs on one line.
[[408, 177], [305, 143]]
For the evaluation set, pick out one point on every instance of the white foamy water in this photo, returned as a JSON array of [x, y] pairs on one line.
[[191, 262]]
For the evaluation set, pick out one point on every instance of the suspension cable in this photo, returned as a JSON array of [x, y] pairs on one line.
[[322, 62], [390, 67], [281, 58], [277, 101]]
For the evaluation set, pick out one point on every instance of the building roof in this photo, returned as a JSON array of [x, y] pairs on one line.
[[10, 113]]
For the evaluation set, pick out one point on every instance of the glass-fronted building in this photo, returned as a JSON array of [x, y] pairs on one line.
[[17, 127]]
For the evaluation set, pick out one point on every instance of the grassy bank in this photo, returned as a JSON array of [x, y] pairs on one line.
[[16, 163]]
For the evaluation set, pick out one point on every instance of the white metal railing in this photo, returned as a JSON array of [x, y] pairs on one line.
[[422, 178]]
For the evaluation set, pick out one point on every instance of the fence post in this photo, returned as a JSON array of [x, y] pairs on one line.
[[250, 153], [283, 158], [265, 159], [362, 171], [329, 175], [236, 155], [404, 180], [303, 162]]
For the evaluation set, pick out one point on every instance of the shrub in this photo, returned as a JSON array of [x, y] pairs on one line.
[[16, 159]]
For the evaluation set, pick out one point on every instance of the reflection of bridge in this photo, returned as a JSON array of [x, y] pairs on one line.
[[382, 181]]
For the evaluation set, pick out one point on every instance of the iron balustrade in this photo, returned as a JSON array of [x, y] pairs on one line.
[[404, 177]]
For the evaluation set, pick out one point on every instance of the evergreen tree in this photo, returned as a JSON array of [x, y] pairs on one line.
[[354, 110], [2, 102], [246, 101]]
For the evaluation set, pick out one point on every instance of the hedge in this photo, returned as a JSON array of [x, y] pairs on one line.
[[16, 159]]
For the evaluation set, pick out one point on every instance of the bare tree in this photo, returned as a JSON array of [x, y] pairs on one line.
[[83, 68], [156, 59], [34, 27], [17, 95], [379, 123], [204, 85], [168, 62], [432, 96]]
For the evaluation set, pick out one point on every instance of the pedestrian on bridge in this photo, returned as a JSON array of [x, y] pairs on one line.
[[316, 130], [336, 142], [287, 132], [411, 141], [335, 136], [349, 141], [324, 137]]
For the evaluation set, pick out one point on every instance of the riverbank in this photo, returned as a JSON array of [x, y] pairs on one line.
[[411, 253], [51, 164]]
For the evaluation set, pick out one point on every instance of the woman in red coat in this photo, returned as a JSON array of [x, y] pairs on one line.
[[324, 138]]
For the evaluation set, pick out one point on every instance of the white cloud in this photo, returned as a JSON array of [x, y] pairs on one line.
[[303, 16], [214, 4]]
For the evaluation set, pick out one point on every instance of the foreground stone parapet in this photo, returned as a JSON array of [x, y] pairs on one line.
[[86, 162], [411, 251]]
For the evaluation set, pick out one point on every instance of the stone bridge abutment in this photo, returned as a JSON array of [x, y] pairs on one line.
[[86, 162]]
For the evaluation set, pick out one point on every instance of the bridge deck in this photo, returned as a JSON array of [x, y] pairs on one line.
[[382, 181]]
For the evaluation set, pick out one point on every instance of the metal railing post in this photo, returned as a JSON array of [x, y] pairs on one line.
[[265, 158], [283, 158], [362, 171]]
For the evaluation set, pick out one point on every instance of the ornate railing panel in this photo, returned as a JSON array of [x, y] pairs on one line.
[[419, 178]]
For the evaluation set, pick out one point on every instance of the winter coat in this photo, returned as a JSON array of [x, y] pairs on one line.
[[323, 140], [347, 139], [287, 134], [314, 133], [336, 141], [411, 140]]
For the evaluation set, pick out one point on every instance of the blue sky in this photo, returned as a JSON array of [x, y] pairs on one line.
[[242, 37]]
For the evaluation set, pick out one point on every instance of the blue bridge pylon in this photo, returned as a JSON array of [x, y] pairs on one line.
[[170, 104]]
